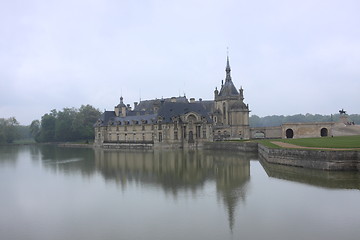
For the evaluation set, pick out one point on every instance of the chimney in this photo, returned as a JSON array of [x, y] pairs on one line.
[[192, 100], [135, 104], [173, 99]]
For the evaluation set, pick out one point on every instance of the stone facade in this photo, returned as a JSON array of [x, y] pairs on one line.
[[180, 123], [176, 122], [166, 123], [231, 114]]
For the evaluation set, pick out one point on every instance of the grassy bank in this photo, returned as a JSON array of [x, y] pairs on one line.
[[324, 142]]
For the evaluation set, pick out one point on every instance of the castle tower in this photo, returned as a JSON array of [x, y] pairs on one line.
[[231, 115]]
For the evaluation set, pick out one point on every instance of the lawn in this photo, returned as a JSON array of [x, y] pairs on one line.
[[323, 142]]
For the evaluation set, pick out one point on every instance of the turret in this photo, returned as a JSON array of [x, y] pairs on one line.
[[120, 109]]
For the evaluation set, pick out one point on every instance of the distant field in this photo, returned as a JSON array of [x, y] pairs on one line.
[[324, 142]]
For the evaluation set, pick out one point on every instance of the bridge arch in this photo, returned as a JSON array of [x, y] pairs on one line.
[[324, 132], [289, 133]]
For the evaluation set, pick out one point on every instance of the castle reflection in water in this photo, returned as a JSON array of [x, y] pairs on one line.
[[180, 170]]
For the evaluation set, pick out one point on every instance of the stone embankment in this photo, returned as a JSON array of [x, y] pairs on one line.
[[75, 145], [316, 159], [299, 157], [234, 146]]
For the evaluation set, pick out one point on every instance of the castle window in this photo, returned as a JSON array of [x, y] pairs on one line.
[[143, 127], [176, 135], [160, 137], [224, 111], [204, 134], [198, 131], [159, 126]]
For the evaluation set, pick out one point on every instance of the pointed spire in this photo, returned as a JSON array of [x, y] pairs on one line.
[[228, 69]]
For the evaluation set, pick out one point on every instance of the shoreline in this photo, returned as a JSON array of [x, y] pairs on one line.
[[297, 156]]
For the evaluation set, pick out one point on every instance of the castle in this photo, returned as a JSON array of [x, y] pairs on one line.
[[180, 123], [177, 121]]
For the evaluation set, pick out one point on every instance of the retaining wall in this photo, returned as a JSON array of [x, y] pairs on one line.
[[234, 146], [316, 159]]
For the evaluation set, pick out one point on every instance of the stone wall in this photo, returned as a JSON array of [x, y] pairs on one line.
[[234, 146], [316, 159], [265, 132], [307, 130], [127, 146]]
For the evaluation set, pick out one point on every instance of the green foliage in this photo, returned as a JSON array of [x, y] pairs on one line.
[[24, 132], [35, 130], [8, 130], [277, 120], [70, 124], [268, 143]]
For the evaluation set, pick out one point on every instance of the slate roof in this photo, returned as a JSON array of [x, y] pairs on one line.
[[148, 105], [228, 89], [167, 110], [173, 109], [207, 104]]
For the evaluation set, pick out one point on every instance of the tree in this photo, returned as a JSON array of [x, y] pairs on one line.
[[8, 130], [35, 130], [70, 124], [84, 121], [64, 130], [47, 132]]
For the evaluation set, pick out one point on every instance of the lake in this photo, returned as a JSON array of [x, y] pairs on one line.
[[50, 192]]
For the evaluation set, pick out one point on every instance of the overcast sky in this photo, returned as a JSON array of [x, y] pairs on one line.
[[290, 56]]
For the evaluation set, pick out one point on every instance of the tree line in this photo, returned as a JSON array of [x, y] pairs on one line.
[[9, 130], [70, 124], [277, 120]]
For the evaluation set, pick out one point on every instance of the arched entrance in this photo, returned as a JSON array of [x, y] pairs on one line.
[[289, 133], [324, 132], [259, 134], [191, 137]]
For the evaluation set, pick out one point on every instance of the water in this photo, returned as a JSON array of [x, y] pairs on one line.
[[67, 193]]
